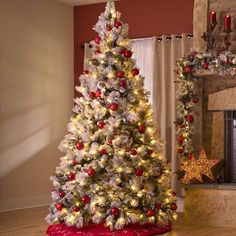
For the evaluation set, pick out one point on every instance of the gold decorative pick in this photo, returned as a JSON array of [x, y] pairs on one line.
[[195, 169]]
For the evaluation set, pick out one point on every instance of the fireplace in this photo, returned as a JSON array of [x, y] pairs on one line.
[[230, 146]]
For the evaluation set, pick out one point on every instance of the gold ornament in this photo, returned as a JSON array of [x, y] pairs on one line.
[[195, 169]]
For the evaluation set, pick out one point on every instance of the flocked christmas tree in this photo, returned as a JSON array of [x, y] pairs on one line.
[[113, 171]]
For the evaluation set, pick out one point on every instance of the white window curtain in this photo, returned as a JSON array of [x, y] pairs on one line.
[[156, 58]]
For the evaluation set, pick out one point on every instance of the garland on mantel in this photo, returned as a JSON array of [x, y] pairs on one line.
[[208, 62]]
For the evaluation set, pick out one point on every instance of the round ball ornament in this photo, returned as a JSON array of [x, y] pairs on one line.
[[149, 152], [109, 141], [62, 194], [205, 66], [92, 95], [180, 139], [128, 54], [151, 213], [98, 93], [85, 72], [118, 24], [85, 199], [133, 152], [189, 118], [123, 83], [101, 124], [115, 211], [120, 74], [135, 72], [75, 162], [141, 128], [103, 152], [139, 172], [91, 172], [195, 100], [97, 40], [59, 206], [80, 145], [71, 176], [75, 208], [173, 206], [113, 106], [187, 69]]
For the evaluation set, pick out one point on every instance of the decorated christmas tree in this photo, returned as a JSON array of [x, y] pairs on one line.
[[113, 174]]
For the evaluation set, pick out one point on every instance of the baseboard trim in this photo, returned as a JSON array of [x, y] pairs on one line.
[[24, 203]]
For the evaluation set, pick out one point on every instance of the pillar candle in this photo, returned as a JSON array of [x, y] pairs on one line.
[[227, 23], [213, 17]]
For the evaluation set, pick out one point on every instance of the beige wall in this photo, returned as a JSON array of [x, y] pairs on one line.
[[36, 91]]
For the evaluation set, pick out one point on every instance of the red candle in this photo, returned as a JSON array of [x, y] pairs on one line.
[[227, 23], [213, 17]]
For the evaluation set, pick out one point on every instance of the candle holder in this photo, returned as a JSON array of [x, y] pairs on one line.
[[208, 36], [227, 42]]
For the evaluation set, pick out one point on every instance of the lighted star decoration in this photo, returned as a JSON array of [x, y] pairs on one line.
[[196, 168]]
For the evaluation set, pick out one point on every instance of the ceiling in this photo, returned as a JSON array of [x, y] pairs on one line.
[[81, 2]]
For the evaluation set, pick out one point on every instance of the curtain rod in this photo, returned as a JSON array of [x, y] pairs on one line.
[[159, 38]]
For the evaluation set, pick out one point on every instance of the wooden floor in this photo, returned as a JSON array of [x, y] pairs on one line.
[[30, 222]]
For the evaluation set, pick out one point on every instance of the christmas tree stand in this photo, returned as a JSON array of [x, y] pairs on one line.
[[101, 230]]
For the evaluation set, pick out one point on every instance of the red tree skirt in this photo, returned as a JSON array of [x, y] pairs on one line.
[[101, 230]]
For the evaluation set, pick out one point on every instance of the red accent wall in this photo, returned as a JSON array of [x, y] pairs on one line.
[[145, 18]]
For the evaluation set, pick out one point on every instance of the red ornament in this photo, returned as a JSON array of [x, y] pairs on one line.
[[91, 172], [180, 139], [206, 66], [113, 106], [120, 74], [133, 152], [85, 72], [128, 54], [173, 194], [109, 141], [75, 162], [189, 118], [135, 72], [101, 124], [98, 93], [115, 211], [85, 199], [141, 128], [188, 69], [62, 194], [195, 100], [151, 213], [180, 150], [103, 151], [123, 83], [149, 152], [71, 176], [97, 40], [139, 172], [118, 24], [182, 126], [158, 206], [79, 145], [92, 94], [173, 206], [75, 208], [59, 206]]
